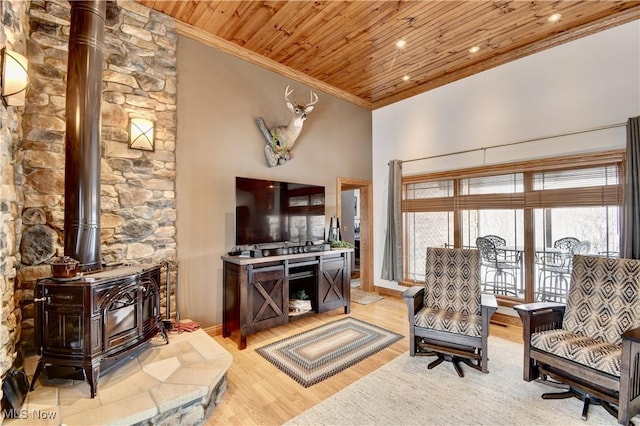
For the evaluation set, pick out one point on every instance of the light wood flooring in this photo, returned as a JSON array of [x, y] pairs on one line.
[[258, 393]]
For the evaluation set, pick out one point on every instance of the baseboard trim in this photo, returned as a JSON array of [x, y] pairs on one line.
[[505, 319], [214, 330], [383, 291]]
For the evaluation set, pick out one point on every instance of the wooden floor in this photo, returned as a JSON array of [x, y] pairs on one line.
[[260, 394]]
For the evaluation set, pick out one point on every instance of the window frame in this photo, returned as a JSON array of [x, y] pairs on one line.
[[528, 200]]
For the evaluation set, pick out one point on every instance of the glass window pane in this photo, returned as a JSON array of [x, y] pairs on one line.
[[502, 269], [576, 178], [435, 189], [595, 230], [425, 229], [500, 184], [508, 224]]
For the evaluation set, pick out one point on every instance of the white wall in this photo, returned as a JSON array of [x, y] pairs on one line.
[[219, 99], [584, 84]]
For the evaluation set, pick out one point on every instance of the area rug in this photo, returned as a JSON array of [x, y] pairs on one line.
[[317, 354], [364, 297], [405, 392]]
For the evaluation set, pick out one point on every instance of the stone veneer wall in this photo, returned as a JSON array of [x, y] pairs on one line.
[[12, 35], [137, 187]]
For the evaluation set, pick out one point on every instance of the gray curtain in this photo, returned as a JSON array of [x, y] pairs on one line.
[[630, 238], [392, 268]]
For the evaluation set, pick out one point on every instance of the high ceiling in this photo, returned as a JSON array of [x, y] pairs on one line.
[[348, 48]]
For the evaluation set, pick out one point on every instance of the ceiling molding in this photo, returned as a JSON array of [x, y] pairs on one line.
[[271, 65]]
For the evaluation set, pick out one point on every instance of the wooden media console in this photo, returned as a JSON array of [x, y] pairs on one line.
[[257, 290]]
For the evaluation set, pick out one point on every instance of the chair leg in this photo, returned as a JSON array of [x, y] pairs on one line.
[[585, 408], [587, 401], [454, 360], [456, 365], [436, 363], [610, 409], [470, 363], [560, 395]]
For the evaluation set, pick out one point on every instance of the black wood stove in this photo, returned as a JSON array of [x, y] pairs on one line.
[[89, 323]]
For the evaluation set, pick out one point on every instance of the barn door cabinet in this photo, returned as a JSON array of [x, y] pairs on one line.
[[257, 290]]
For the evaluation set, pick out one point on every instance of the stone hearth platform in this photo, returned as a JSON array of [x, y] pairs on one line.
[[179, 383]]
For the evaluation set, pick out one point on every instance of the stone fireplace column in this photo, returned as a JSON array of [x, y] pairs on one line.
[[13, 32]]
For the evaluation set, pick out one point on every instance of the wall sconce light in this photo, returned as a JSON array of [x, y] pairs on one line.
[[14, 78], [141, 134]]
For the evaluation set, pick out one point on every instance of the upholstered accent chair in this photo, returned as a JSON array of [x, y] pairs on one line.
[[448, 316], [591, 344]]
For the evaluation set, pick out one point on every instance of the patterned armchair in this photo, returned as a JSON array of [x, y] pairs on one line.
[[592, 345], [448, 316]]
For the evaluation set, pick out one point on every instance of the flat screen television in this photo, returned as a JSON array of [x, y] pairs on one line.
[[269, 211]]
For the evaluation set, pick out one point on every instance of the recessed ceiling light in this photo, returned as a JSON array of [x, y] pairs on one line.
[[406, 78], [554, 18], [474, 49], [400, 44]]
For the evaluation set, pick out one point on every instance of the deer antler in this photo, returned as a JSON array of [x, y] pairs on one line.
[[287, 92], [314, 99]]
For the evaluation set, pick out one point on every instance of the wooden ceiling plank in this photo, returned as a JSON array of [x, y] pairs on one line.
[[524, 32], [433, 39], [385, 47], [205, 15], [370, 68], [259, 23], [301, 61], [367, 23], [159, 6], [593, 27], [383, 37], [334, 32], [315, 22], [448, 64], [183, 10], [526, 24], [248, 20], [457, 39], [305, 57], [287, 33], [239, 19], [270, 29]]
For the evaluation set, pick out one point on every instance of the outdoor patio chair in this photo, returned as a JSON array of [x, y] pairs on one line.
[[504, 268], [448, 316], [554, 270], [591, 345], [496, 240]]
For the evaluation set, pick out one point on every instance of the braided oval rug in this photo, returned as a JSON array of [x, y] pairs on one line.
[[317, 354]]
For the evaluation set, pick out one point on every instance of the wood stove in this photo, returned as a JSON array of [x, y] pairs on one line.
[[92, 322]]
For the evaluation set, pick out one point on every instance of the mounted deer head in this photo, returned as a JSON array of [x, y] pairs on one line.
[[281, 139]]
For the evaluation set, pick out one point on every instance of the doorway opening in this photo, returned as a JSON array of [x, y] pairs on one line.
[[356, 222]]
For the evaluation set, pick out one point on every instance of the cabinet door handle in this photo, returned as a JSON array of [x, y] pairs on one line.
[[41, 299]]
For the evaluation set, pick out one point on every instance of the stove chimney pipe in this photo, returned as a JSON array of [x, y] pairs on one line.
[[82, 140]]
